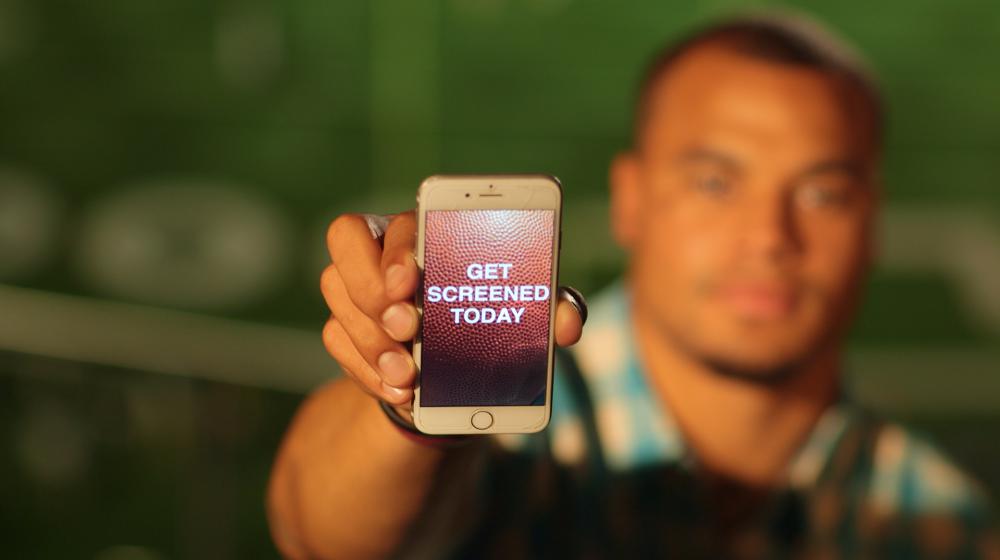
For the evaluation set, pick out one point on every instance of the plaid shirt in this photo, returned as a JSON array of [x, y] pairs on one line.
[[612, 477]]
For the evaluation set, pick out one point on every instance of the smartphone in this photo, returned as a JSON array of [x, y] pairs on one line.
[[488, 251]]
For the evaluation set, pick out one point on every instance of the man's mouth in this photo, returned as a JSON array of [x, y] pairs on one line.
[[758, 301]]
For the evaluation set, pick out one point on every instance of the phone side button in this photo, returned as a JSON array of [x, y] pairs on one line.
[[482, 420]]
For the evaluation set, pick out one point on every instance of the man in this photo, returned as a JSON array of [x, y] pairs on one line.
[[702, 414]]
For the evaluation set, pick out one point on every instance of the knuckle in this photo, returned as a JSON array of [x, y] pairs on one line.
[[401, 223], [345, 352], [368, 345], [402, 227], [330, 336], [327, 279], [370, 298], [337, 345], [341, 225]]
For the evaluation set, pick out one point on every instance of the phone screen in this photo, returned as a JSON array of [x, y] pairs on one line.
[[487, 287]]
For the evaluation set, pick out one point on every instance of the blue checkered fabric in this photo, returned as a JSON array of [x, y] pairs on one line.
[[612, 478]]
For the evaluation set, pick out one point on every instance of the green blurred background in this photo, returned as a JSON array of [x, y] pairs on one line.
[[168, 169]]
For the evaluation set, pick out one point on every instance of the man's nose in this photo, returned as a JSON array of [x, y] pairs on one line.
[[769, 227]]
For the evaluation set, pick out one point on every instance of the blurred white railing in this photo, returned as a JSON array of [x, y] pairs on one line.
[[938, 380]]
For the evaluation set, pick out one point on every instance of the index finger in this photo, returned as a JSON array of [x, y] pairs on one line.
[[358, 258]]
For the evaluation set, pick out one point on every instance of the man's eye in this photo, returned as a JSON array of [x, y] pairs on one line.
[[820, 196], [715, 185]]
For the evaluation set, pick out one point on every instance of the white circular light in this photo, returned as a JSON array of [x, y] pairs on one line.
[[184, 243]]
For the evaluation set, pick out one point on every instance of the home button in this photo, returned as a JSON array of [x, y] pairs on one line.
[[482, 420]]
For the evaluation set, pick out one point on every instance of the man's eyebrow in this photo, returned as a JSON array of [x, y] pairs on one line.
[[845, 166], [708, 155]]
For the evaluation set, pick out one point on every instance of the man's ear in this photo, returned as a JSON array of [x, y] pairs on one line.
[[626, 198], [874, 221]]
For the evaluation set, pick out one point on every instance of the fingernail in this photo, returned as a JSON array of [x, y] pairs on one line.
[[395, 368], [395, 393], [397, 320], [394, 276]]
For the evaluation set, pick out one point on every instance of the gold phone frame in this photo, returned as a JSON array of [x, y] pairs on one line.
[[500, 192]]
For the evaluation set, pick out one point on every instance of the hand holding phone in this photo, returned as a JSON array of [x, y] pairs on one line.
[[370, 289]]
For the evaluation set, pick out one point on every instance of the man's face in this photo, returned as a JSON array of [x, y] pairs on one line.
[[747, 209]]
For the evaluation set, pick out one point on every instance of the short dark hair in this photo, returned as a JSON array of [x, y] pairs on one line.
[[777, 37]]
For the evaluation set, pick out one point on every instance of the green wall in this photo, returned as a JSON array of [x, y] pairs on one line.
[[186, 156]]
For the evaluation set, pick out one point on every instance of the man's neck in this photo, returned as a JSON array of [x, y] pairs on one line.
[[737, 428]]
